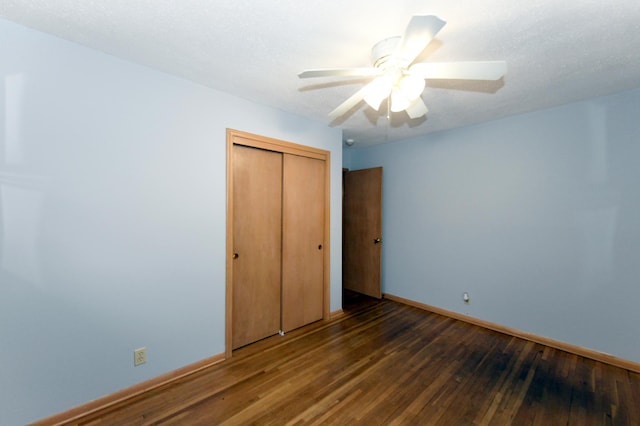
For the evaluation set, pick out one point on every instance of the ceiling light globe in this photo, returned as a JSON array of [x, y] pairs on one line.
[[399, 101], [379, 90], [411, 86]]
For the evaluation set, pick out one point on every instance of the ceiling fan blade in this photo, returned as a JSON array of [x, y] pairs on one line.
[[419, 32], [480, 70], [417, 108], [357, 97], [340, 72]]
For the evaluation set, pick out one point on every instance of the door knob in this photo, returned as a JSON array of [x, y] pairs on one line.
[[235, 255], [376, 241], [319, 246]]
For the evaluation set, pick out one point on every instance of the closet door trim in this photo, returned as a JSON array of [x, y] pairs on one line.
[[236, 137]]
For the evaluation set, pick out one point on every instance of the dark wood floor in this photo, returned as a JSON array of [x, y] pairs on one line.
[[388, 363]]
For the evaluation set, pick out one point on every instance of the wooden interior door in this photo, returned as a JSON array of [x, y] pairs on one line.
[[362, 222], [303, 249], [257, 229]]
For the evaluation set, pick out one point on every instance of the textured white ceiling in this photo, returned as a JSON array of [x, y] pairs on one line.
[[557, 51]]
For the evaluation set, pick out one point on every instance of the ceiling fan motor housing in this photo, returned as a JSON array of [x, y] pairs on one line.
[[383, 50]]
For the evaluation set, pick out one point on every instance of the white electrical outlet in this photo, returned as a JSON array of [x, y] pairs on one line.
[[139, 356]]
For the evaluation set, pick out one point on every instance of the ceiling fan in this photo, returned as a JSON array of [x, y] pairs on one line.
[[400, 81]]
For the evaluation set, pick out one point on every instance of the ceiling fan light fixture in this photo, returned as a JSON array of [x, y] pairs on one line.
[[411, 86], [405, 91], [401, 81], [399, 100], [379, 89]]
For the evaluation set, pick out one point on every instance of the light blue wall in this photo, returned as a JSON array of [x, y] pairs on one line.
[[537, 216], [112, 219]]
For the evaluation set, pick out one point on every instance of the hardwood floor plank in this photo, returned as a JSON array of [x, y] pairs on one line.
[[383, 362]]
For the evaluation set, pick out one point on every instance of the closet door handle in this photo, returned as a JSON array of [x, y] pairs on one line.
[[319, 246], [376, 241], [235, 255]]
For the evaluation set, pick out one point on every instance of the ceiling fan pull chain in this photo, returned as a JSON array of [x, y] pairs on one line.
[[389, 108]]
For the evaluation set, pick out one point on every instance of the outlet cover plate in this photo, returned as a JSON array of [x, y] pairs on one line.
[[139, 356]]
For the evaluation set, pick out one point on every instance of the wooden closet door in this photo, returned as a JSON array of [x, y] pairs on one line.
[[302, 241], [257, 225]]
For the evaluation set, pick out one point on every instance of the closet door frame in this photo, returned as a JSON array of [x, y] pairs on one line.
[[237, 137]]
